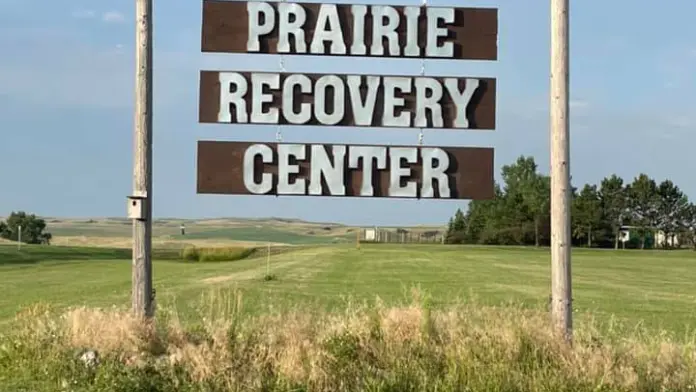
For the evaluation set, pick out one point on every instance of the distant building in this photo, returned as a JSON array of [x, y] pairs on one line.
[[654, 238], [371, 234], [663, 240]]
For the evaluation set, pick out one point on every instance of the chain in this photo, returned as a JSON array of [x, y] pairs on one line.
[[422, 74], [279, 135]]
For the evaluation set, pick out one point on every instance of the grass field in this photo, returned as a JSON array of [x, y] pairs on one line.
[[651, 287], [117, 232], [448, 318]]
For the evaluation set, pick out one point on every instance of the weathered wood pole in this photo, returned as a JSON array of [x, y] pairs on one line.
[[561, 292], [142, 161]]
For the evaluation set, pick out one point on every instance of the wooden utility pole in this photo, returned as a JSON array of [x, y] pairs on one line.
[[561, 293], [142, 292]]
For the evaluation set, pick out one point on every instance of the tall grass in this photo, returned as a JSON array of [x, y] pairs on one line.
[[365, 348], [216, 254]]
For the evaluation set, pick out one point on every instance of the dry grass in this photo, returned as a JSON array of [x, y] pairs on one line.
[[376, 348]]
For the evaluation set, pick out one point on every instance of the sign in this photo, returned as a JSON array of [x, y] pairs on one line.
[[244, 168], [346, 100], [349, 30], [285, 98]]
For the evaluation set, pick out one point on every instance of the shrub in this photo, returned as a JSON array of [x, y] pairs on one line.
[[190, 253], [216, 254]]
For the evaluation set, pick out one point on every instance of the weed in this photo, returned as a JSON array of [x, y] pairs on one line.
[[270, 277], [466, 347]]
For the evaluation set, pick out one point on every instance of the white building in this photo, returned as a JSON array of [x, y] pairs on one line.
[[371, 234], [662, 240]]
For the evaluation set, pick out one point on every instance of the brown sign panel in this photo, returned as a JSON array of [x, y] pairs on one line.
[[350, 30], [347, 100], [242, 168]]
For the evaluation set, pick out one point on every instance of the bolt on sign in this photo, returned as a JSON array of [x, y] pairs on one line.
[[417, 32]]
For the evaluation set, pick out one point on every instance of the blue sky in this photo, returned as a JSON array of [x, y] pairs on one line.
[[66, 82]]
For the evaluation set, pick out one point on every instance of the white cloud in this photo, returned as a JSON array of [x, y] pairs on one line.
[[113, 17], [83, 14]]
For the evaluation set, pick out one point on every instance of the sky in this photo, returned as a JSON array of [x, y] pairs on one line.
[[66, 104]]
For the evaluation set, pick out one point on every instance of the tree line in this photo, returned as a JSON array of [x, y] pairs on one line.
[[602, 215]]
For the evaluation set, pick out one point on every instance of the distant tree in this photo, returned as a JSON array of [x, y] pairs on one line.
[[531, 189], [539, 203], [483, 216], [688, 225], [455, 230], [31, 226], [459, 222], [518, 214], [614, 202], [587, 213], [643, 201], [672, 207], [450, 225]]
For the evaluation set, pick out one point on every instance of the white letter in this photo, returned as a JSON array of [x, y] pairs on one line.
[[412, 49], [430, 172], [379, 30], [294, 28], [431, 48], [227, 79], [423, 102], [258, 80], [339, 101], [391, 101], [328, 13], [266, 178], [305, 113], [367, 154], [333, 173], [363, 112], [358, 45], [285, 168], [254, 11], [396, 172], [461, 99]]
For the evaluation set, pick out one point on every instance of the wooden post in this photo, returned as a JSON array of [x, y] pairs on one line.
[[561, 293], [357, 238], [142, 294]]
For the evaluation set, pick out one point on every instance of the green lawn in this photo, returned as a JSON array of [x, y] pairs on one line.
[[654, 287]]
